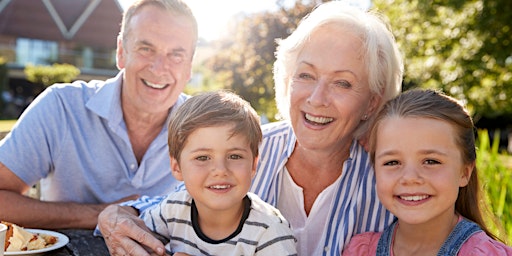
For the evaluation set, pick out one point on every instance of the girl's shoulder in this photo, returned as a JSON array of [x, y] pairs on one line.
[[481, 244], [363, 244]]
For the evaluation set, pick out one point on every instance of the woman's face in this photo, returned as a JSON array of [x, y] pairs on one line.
[[329, 90]]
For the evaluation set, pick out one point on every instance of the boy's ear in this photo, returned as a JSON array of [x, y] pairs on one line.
[[466, 174], [254, 165], [175, 169]]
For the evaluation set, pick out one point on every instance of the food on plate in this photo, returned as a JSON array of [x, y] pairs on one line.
[[19, 239]]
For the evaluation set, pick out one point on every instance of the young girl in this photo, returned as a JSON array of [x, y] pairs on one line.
[[423, 150]]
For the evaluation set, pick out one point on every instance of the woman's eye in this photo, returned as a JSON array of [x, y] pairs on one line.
[[305, 76], [343, 83]]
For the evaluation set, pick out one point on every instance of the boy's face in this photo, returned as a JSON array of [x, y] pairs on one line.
[[217, 168]]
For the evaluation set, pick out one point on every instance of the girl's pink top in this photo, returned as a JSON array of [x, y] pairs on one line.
[[478, 244]]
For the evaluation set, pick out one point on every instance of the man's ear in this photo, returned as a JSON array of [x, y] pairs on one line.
[[466, 174], [175, 169], [120, 58]]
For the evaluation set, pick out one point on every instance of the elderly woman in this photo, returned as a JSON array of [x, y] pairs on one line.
[[332, 75]]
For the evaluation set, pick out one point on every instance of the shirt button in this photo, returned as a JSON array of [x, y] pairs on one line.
[[132, 166]]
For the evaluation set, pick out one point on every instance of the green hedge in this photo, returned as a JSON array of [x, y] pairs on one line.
[[495, 173]]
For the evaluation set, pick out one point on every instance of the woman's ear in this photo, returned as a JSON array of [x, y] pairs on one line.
[[466, 174], [175, 169], [373, 105]]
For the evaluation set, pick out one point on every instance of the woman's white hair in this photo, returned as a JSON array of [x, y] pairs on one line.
[[380, 54]]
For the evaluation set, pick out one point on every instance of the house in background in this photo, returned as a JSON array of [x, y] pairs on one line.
[[43, 32]]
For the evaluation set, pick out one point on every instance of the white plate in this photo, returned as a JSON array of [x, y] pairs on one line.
[[62, 240]]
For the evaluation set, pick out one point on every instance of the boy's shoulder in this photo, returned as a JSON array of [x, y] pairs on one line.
[[263, 209]]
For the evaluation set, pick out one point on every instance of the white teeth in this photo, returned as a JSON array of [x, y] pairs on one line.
[[320, 120], [156, 86], [220, 186], [414, 198]]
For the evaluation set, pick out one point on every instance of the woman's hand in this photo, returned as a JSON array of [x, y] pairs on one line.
[[126, 234]]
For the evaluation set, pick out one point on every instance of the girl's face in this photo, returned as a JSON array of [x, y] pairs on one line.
[[217, 168], [329, 90], [419, 169]]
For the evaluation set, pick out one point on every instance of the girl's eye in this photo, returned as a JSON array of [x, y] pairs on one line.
[[391, 163], [202, 158], [431, 162]]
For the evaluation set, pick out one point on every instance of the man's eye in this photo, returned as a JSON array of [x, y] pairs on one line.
[[177, 57]]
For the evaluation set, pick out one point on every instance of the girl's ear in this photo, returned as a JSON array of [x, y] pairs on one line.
[[175, 169], [466, 174]]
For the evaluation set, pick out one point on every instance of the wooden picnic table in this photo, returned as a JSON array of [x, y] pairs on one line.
[[82, 242]]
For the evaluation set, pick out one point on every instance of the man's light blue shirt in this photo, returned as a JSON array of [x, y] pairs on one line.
[[74, 139]]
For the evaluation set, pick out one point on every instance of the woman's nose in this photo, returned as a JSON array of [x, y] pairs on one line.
[[319, 95]]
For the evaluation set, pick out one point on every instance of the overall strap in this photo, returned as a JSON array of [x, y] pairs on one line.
[[459, 235], [384, 245]]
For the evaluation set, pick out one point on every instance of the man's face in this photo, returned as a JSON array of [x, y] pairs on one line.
[[157, 57]]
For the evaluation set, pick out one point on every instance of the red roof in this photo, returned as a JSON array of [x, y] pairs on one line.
[[87, 22]]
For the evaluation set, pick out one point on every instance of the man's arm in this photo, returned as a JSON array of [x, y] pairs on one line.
[[29, 212], [126, 234]]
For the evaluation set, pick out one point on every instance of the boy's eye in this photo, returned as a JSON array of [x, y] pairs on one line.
[[235, 157], [202, 158]]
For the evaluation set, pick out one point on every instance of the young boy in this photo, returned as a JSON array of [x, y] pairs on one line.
[[213, 145]]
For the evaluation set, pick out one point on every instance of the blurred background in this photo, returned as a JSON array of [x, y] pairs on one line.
[[463, 47]]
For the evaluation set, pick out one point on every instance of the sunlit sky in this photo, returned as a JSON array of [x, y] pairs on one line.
[[213, 16]]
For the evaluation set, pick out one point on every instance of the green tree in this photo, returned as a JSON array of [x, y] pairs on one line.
[[245, 60], [463, 47], [48, 75]]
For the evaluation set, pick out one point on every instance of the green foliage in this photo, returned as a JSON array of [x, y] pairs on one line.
[[48, 75], [495, 174], [244, 62], [463, 47]]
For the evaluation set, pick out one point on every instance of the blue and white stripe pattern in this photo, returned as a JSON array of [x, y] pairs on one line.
[[356, 207]]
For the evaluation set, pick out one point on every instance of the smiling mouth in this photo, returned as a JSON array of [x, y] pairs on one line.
[[220, 186], [414, 198], [154, 86], [317, 120]]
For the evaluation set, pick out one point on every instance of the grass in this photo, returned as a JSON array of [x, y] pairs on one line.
[[495, 174], [6, 125]]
